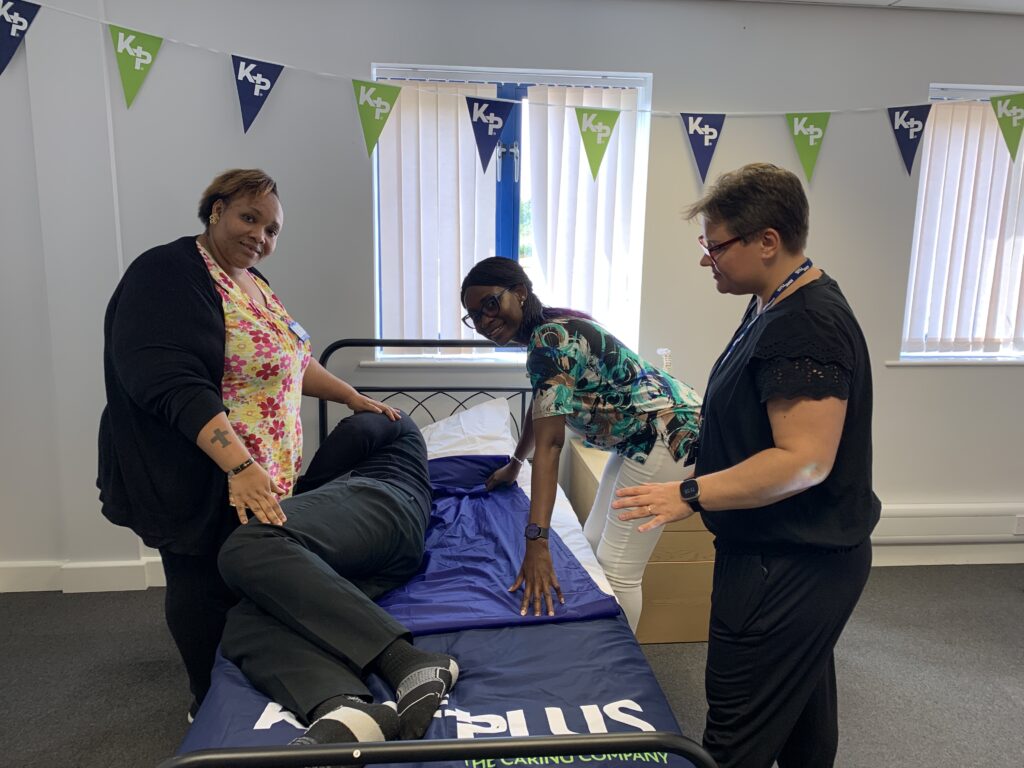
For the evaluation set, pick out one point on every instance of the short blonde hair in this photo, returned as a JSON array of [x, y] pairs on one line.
[[237, 181]]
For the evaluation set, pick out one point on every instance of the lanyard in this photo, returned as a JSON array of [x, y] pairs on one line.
[[794, 276]]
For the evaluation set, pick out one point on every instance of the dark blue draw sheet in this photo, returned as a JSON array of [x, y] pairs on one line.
[[474, 546]]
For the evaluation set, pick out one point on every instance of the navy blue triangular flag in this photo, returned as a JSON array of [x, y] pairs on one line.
[[488, 117], [907, 125], [704, 131], [15, 18], [254, 80]]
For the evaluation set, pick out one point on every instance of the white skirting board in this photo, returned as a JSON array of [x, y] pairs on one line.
[[908, 534], [950, 534], [69, 577], [947, 554]]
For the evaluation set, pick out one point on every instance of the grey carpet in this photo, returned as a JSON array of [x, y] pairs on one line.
[[89, 681], [931, 674], [930, 670]]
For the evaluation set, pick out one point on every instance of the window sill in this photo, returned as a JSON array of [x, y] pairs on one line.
[[952, 362], [442, 364]]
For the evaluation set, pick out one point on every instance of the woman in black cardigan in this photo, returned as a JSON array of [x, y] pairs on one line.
[[204, 372]]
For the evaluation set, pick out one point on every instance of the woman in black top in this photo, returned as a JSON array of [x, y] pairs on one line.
[[194, 428], [783, 479]]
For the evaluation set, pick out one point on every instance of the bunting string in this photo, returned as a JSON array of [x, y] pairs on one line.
[[335, 76], [136, 52]]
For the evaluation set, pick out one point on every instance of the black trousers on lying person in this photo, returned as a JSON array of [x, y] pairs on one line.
[[306, 627], [770, 678]]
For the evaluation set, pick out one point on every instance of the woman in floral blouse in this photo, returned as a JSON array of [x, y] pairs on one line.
[[205, 371], [585, 379]]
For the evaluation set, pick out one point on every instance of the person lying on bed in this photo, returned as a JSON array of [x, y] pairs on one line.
[[585, 379], [306, 631]]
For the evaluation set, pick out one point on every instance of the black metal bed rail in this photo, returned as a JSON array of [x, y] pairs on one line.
[[444, 749], [434, 391]]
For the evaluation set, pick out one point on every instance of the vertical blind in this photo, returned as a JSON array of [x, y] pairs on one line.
[[436, 207], [587, 233], [435, 213], [965, 295]]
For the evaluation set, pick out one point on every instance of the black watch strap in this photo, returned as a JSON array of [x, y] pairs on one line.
[[534, 531], [689, 491]]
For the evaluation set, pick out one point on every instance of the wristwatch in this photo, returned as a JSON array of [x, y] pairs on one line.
[[534, 532], [690, 491]]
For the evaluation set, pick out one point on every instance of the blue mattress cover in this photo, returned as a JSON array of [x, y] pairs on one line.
[[546, 679], [580, 671]]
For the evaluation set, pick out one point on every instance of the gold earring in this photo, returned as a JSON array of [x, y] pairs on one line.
[[214, 218]]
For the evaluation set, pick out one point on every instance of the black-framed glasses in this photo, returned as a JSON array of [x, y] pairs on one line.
[[489, 307]]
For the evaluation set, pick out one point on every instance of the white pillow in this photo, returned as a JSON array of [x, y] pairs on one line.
[[482, 429]]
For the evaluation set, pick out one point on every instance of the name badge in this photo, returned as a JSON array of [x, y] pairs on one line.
[[298, 330]]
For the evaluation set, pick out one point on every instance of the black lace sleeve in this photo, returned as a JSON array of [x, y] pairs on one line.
[[801, 377], [803, 355]]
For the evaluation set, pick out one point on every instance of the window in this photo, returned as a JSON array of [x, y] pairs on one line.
[[965, 297], [438, 212]]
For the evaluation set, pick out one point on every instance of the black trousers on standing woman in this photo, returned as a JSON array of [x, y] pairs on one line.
[[770, 678], [196, 603]]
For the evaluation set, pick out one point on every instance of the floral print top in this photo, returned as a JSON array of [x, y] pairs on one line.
[[264, 361], [608, 394]]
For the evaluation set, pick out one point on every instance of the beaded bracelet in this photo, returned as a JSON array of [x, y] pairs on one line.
[[516, 459]]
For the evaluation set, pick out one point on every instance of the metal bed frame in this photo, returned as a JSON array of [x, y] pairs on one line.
[[456, 398], [444, 749]]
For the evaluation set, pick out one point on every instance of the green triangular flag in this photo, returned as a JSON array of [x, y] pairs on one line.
[[1010, 114], [375, 102], [135, 53], [596, 129], [808, 131]]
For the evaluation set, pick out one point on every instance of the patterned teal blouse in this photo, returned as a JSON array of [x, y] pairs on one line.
[[608, 394]]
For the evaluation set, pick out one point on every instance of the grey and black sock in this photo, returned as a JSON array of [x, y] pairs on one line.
[[351, 721], [420, 680]]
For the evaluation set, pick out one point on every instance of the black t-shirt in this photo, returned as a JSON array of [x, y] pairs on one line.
[[809, 345]]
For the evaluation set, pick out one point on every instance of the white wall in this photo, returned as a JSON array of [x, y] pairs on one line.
[[87, 185]]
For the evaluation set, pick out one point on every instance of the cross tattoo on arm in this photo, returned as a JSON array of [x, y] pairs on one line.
[[220, 436]]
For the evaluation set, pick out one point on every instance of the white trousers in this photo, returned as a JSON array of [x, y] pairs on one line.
[[621, 550]]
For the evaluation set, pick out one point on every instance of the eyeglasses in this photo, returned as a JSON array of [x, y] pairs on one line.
[[717, 248], [489, 307], [711, 250]]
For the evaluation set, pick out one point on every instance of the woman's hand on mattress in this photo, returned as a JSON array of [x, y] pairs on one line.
[[538, 579], [253, 489], [660, 501], [504, 476]]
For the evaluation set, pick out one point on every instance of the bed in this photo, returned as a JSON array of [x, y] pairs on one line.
[[575, 689]]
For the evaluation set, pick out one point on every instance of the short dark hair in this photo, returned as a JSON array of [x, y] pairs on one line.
[[237, 181], [755, 197]]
